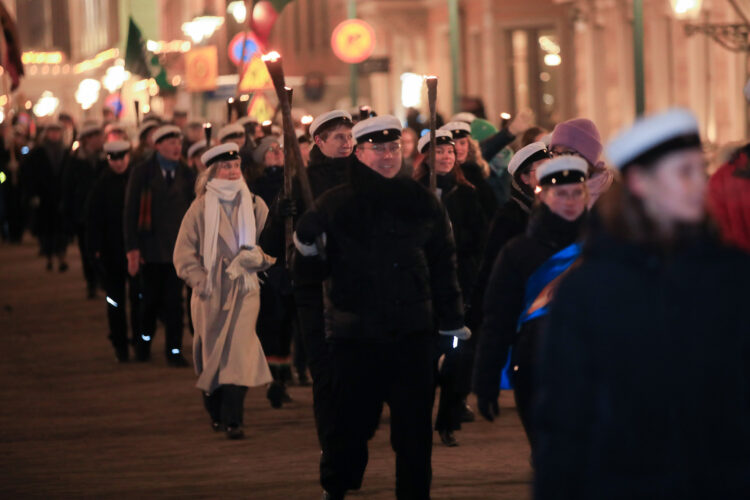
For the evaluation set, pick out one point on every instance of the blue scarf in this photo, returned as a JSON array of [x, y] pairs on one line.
[[165, 164], [536, 299]]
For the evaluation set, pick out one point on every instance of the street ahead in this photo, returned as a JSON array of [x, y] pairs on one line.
[[75, 423]]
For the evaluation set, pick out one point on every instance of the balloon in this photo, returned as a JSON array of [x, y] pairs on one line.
[[262, 20]]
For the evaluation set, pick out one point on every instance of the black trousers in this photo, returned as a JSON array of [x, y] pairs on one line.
[[524, 364], [87, 260], [162, 298], [121, 288], [276, 321], [451, 379], [309, 301], [364, 376], [226, 405]]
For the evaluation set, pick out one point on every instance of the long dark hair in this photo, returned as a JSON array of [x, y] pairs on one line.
[[421, 170]]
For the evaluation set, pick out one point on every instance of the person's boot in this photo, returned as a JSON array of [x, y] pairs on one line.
[[302, 379], [275, 394], [235, 432], [122, 354], [467, 413], [285, 377], [142, 350], [448, 438]]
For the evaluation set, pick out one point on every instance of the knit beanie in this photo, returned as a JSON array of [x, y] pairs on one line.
[[482, 129], [581, 135], [264, 145]]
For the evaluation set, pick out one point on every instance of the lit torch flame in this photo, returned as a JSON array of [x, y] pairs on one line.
[[306, 120], [505, 116], [271, 56], [538, 190]]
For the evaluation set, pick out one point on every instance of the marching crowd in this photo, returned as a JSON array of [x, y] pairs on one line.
[[605, 285]]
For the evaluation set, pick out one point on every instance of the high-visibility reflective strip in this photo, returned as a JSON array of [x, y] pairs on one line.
[[147, 338], [112, 302], [175, 351], [455, 342]]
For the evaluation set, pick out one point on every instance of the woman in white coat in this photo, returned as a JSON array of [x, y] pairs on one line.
[[217, 255]]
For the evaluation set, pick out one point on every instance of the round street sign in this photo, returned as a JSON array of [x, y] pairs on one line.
[[252, 46], [353, 41]]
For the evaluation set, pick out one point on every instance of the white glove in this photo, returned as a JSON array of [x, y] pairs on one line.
[[250, 260], [462, 333]]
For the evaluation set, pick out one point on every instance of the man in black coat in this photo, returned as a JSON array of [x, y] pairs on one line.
[[83, 167], [107, 246], [390, 271], [45, 165], [159, 193]]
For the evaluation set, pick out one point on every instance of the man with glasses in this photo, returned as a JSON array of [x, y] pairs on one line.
[[390, 273]]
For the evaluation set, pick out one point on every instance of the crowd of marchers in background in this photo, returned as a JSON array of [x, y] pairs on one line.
[[604, 284]]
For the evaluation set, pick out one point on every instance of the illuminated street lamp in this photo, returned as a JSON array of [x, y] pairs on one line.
[[686, 9], [115, 76], [238, 10], [88, 92], [202, 27], [46, 105]]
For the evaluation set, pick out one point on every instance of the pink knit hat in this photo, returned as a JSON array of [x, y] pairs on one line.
[[581, 135]]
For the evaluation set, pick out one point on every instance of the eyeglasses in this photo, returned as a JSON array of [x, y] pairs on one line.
[[575, 194], [381, 149], [275, 149]]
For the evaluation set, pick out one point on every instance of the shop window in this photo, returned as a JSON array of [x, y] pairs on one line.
[[536, 62]]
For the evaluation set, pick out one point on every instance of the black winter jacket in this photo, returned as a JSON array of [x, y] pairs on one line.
[[509, 221], [473, 173], [269, 185], [79, 177], [645, 376], [104, 226], [168, 204], [469, 227], [391, 266], [546, 235]]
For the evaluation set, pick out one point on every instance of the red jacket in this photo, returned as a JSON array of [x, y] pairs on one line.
[[729, 200]]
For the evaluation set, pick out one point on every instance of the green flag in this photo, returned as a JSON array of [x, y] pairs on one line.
[[139, 62], [135, 52], [279, 4]]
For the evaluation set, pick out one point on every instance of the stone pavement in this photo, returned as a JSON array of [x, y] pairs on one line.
[[74, 423]]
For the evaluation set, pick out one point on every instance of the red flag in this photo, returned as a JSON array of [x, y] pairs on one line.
[[11, 54]]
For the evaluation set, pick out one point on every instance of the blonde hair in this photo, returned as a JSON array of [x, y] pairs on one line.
[[204, 177]]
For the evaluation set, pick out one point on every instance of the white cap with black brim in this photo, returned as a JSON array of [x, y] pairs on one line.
[[377, 129], [231, 131], [441, 137], [527, 155], [459, 129], [653, 136], [116, 149], [329, 119], [166, 132], [222, 152], [196, 148], [563, 170]]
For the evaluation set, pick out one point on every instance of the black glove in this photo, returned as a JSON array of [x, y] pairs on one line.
[[309, 227], [286, 207], [488, 408]]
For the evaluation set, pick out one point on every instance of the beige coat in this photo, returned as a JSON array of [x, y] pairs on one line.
[[226, 348]]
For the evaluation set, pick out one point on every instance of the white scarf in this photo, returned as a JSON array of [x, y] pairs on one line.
[[223, 189]]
